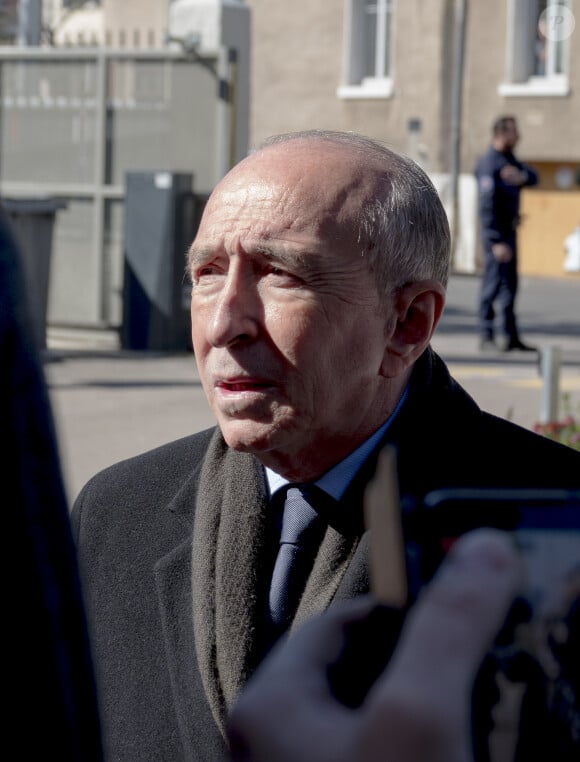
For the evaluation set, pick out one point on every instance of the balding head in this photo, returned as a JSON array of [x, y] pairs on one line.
[[402, 224], [384, 200]]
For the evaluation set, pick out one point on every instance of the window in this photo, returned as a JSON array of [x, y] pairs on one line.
[[74, 4], [548, 51], [536, 58], [367, 44]]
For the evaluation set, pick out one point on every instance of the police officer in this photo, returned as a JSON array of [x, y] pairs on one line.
[[500, 176]]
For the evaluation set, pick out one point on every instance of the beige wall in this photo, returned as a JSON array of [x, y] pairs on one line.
[[296, 60], [297, 65]]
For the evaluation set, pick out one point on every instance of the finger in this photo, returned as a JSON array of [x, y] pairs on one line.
[[293, 683], [423, 699], [463, 608]]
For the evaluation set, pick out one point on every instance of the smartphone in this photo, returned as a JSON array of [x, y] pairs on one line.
[[535, 660], [544, 524]]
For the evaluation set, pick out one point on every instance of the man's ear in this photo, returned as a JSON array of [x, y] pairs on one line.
[[416, 311]]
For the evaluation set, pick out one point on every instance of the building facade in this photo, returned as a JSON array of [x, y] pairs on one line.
[[389, 69], [428, 77]]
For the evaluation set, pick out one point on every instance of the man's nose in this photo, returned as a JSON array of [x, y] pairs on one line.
[[237, 310]]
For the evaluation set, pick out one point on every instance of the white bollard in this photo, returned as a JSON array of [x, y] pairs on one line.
[[551, 386]]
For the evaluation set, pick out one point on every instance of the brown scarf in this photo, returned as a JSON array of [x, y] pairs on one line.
[[233, 549]]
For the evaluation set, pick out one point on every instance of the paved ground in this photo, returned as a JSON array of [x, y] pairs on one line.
[[109, 404]]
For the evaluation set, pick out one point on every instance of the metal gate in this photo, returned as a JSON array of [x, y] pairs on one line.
[[75, 121]]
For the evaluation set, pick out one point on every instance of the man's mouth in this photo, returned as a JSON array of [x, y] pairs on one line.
[[243, 385]]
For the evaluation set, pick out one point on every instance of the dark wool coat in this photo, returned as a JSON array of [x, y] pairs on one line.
[[176, 548]]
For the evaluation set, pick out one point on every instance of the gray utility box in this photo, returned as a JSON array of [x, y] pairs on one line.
[[159, 226], [32, 222]]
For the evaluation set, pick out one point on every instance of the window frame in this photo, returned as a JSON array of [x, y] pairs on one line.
[[356, 83], [520, 78]]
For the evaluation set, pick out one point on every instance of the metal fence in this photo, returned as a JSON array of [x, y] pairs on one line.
[[74, 121]]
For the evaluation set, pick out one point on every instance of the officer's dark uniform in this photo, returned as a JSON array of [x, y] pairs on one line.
[[499, 215]]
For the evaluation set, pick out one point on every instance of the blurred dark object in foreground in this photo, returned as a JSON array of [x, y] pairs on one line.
[[50, 689]]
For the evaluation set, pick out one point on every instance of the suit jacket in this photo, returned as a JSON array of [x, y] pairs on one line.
[[176, 548]]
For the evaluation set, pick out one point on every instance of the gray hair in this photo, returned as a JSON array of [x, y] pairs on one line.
[[403, 229]]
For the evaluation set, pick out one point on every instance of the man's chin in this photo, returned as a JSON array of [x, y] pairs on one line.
[[247, 436]]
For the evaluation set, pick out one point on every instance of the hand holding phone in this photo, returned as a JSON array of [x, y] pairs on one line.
[[533, 670], [530, 680]]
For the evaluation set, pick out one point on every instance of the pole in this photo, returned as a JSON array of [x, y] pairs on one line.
[[233, 81], [460, 17], [224, 116], [551, 383], [29, 22]]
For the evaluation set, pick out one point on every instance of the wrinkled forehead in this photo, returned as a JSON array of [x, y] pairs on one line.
[[298, 184]]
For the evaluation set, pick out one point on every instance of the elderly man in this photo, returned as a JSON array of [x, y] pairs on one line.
[[319, 272]]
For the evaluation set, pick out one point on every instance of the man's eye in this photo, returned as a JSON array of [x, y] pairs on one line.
[[281, 274], [209, 269], [284, 279], [205, 273]]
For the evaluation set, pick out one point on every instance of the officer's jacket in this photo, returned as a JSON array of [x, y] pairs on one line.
[[499, 201]]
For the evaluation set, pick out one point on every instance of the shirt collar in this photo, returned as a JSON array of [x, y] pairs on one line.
[[336, 480]]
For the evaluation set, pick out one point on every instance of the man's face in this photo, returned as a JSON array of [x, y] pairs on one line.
[[511, 135], [287, 324]]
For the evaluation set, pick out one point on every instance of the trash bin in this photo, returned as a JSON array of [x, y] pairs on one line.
[[32, 223], [159, 208]]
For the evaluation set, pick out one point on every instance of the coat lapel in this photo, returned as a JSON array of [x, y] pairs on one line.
[[340, 569], [172, 573], [331, 563]]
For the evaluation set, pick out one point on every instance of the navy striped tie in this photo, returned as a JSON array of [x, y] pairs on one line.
[[302, 530]]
